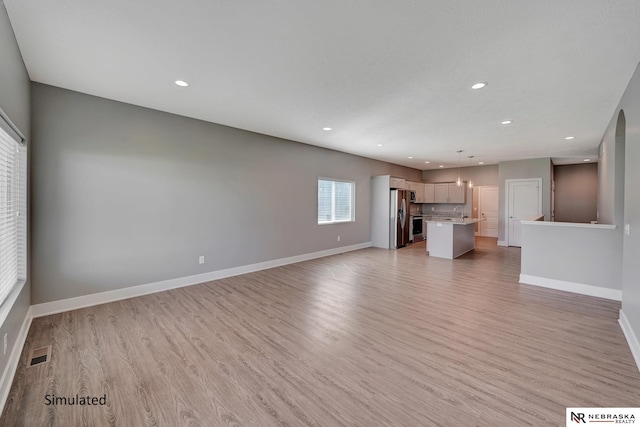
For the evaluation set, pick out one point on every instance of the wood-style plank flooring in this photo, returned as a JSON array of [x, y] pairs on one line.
[[366, 338]]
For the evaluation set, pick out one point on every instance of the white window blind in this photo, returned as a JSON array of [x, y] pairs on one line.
[[13, 190], [336, 201]]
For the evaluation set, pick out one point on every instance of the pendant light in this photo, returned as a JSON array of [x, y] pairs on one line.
[[459, 180], [470, 182]]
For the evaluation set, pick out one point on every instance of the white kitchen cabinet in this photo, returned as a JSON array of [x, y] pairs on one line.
[[411, 186], [398, 183], [428, 193], [457, 194], [418, 188], [420, 193], [449, 192], [441, 193]]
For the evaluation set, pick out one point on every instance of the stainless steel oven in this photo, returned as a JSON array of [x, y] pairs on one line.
[[416, 229]]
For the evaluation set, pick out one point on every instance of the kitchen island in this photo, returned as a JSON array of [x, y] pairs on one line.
[[451, 237]]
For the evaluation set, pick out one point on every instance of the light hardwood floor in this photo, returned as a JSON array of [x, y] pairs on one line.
[[367, 338]]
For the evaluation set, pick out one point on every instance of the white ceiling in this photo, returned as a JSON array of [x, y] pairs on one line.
[[396, 73]]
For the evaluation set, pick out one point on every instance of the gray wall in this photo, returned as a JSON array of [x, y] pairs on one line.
[[611, 174], [576, 192], [585, 255], [606, 177], [14, 101], [630, 104], [521, 169], [125, 195], [480, 175]]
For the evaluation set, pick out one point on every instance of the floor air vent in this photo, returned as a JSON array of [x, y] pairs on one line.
[[39, 356]]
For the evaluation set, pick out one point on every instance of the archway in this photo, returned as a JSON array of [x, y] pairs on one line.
[[621, 125]]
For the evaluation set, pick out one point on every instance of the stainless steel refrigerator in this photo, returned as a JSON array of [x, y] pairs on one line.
[[399, 219]]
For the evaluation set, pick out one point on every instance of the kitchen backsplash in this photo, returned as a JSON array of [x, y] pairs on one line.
[[442, 209], [415, 208]]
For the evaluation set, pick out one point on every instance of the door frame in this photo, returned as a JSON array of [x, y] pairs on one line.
[[506, 202]]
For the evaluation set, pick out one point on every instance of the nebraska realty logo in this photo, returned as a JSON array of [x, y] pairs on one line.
[[602, 416]]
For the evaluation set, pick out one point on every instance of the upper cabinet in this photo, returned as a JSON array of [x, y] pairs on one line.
[[412, 186], [457, 194], [449, 192], [441, 193], [418, 188], [429, 193], [397, 183]]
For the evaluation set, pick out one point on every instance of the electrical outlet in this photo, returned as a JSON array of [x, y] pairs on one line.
[[627, 229], [201, 259], [4, 344], [338, 238]]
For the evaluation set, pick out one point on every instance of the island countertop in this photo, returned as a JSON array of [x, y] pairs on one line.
[[455, 221]]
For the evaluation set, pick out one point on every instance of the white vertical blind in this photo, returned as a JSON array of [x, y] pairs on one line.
[[335, 201], [343, 199], [12, 211]]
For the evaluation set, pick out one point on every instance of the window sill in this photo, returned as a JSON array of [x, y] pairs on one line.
[[10, 300], [336, 222]]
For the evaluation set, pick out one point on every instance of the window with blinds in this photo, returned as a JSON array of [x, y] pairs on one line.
[[13, 191], [336, 201]]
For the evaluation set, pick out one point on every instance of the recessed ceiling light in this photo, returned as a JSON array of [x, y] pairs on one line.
[[481, 163], [427, 162], [506, 122], [441, 166], [379, 145], [586, 160], [569, 137], [326, 128], [410, 157], [479, 85], [182, 83]]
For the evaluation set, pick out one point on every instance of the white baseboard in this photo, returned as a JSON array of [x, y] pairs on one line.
[[60, 306], [578, 288], [14, 358], [502, 243], [631, 337]]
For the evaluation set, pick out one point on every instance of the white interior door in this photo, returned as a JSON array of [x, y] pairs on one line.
[[524, 200], [488, 207]]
